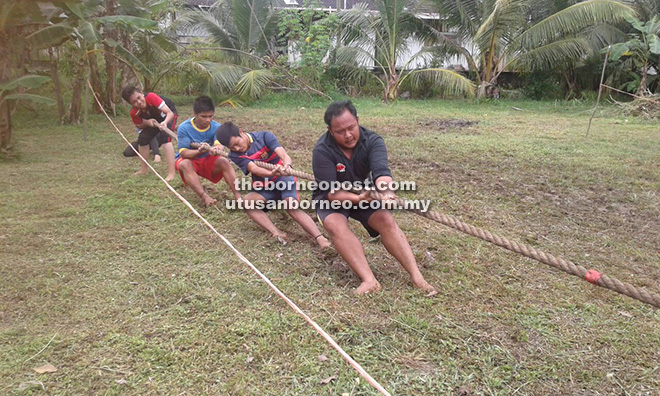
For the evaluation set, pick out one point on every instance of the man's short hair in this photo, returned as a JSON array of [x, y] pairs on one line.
[[338, 108], [227, 131], [202, 104], [128, 91]]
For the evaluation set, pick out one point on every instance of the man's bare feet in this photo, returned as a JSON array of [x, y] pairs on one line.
[[208, 201], [426, 287], [281, 238], [329, 253], [169, 178], [368, 287], [140, 173], [323, 242], [156, 158]]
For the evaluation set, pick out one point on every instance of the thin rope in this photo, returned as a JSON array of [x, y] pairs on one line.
[[270, 284]]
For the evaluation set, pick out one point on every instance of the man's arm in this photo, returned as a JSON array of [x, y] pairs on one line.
[[158, 102], [169, 115], [286, 160], [150, 123], [325, 171], [380, 167], [189, 153], [256, 170]]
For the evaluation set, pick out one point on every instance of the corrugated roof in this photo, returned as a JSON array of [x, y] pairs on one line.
[[323, 4], [197, 3]]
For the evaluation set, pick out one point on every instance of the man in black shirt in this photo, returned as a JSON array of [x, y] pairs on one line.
[[348, 152]]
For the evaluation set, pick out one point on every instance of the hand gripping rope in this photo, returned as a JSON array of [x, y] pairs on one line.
[[591, 276], [363, 373]]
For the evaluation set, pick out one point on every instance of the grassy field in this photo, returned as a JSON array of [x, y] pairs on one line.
[[109, 278]]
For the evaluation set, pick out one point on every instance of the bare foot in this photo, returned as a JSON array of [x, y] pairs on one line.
[[328, 253], [169, 178], [323, 243], [368, 287], [156, 158], [281, 238], [208, 201], [140, 173], [425, 287]]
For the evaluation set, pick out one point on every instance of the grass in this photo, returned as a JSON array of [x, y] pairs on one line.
[[136, 296]]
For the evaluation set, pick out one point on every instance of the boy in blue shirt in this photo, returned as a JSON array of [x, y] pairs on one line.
[[267, 185], [206, 160]]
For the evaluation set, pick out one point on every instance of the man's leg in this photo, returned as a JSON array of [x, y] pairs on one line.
[[350, 249], [260, 217], [308, 225], [168, 152], [128, 152], [396, 243], [144, 152], [223, 166], [187, 169], [154, 149]]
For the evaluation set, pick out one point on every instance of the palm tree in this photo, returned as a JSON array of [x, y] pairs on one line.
[[245, 31], [646, 9], [383, 38], [512, 35]]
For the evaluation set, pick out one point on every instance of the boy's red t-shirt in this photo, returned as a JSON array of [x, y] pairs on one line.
[[154, 104]]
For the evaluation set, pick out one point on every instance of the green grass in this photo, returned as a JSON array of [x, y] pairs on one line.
[[130, 286]]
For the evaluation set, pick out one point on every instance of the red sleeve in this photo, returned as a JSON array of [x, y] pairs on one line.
[[135, 117], [154, 100]]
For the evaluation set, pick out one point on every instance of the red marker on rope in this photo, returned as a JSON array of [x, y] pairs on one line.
[[592, 276]]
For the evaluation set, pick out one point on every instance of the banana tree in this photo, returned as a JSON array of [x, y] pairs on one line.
[[501, 35], [78, 24], [8, 93], [641, 52], [382, 39]]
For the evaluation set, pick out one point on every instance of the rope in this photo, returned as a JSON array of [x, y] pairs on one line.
[[263, 277], [591, 276]]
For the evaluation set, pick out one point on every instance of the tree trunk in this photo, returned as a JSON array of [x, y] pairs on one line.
[[111, 63], [56, 83], [95, 79], [392, 90], [74, 108], [127, 75], [481, 91], [572, 89], [641, 91], [111, 79], [5, 125]]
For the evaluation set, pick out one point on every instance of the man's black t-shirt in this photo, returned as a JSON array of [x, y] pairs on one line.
[[330, 164]]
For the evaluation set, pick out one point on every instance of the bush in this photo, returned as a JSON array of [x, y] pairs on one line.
[[541, 86]]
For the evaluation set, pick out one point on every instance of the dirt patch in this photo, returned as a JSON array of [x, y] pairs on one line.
[[464, 390], [417, 364], [451, 125]]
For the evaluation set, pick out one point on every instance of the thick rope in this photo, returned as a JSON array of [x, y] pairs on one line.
[[569, 267], [263, 277]]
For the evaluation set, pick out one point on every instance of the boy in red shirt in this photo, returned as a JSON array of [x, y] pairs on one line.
[[150, 113]]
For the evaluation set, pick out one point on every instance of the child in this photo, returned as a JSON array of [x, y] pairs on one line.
[[263, 146], [206, 160], [150, 113]]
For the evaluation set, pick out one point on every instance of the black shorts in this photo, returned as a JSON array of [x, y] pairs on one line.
[[361, 215], [145, 136]]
